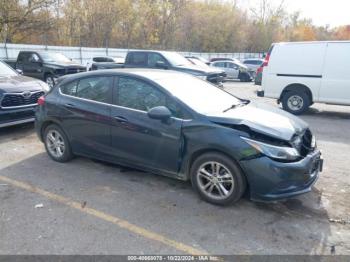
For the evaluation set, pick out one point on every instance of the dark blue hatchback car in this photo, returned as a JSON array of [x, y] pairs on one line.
[[177, 125]]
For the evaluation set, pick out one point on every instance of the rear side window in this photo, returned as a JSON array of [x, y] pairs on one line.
[[92, 88], [138, 58]]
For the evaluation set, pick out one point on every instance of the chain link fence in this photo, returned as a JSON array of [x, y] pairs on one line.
[[84, 54]]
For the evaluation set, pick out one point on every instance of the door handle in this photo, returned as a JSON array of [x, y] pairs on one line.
[[69, 105], [121, 119]]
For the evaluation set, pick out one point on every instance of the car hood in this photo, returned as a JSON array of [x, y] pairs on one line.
[[263, 119], [198, 70], [19, 83], [65, 65]]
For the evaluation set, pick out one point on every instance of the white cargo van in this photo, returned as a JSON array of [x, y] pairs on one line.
[[299, 74]]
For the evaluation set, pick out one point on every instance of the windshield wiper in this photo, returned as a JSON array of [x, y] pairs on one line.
[[243, 102]]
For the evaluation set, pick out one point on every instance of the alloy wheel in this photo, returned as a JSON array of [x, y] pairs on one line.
[[215, 180], [50, 82], [55, 143]]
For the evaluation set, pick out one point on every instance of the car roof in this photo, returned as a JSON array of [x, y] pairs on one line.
[[151, 74]]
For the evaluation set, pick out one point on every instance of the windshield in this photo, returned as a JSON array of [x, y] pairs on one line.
[[176, 59], [199, 95], [5, 70], [55, 57]]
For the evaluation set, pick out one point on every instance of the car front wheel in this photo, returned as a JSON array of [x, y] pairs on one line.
[[56, 144], [217, 179], [50, 81]]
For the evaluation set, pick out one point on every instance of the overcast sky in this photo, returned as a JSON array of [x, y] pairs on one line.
[[322, 12]]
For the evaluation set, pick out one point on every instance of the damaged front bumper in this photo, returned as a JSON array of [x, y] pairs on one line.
[[273, 180]]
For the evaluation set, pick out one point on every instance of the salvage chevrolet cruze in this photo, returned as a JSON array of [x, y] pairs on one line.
[[177, 125]]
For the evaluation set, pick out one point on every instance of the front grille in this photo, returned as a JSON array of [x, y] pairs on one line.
[[306, 144], [21, 99], [74, 70]]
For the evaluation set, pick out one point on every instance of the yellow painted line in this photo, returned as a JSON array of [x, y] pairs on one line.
[[109, 218]]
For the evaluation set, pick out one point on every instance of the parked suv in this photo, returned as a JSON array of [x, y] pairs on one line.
[[46, 66], [177, 125], [18, 96]]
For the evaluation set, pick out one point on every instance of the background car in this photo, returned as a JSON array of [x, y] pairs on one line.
[[199, 63], [233, 70], [235, 60], [105, 62], [253, 64], [18, 96]]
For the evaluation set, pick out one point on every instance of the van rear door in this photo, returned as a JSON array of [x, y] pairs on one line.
[[335, 86]]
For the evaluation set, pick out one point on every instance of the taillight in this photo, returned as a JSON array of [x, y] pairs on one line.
[[260, 69], [41, 101], [266, 62]]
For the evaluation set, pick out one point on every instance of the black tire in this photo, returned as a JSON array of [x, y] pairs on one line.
[[239, 180], [244, 77], [299, 97], [67, 152], [49, 79]]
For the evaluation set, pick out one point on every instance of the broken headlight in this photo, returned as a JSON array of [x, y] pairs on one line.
[[272, 151]]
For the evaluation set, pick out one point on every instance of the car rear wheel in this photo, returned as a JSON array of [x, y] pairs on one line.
[[217, 179], [56, 144], [295, 102]]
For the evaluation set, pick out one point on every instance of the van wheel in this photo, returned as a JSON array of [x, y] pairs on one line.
[[217, 179], [295, 102]]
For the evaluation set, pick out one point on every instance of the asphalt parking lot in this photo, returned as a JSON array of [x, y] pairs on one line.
[[89, 207]]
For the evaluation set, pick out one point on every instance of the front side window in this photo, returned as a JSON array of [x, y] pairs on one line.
[[136, 94], [70, 88], [91, 88], [153, 58], [219, 64], [34, 58]]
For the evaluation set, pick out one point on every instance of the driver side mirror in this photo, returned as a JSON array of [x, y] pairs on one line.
[[161, 64], [19, 71], [160, 113]]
